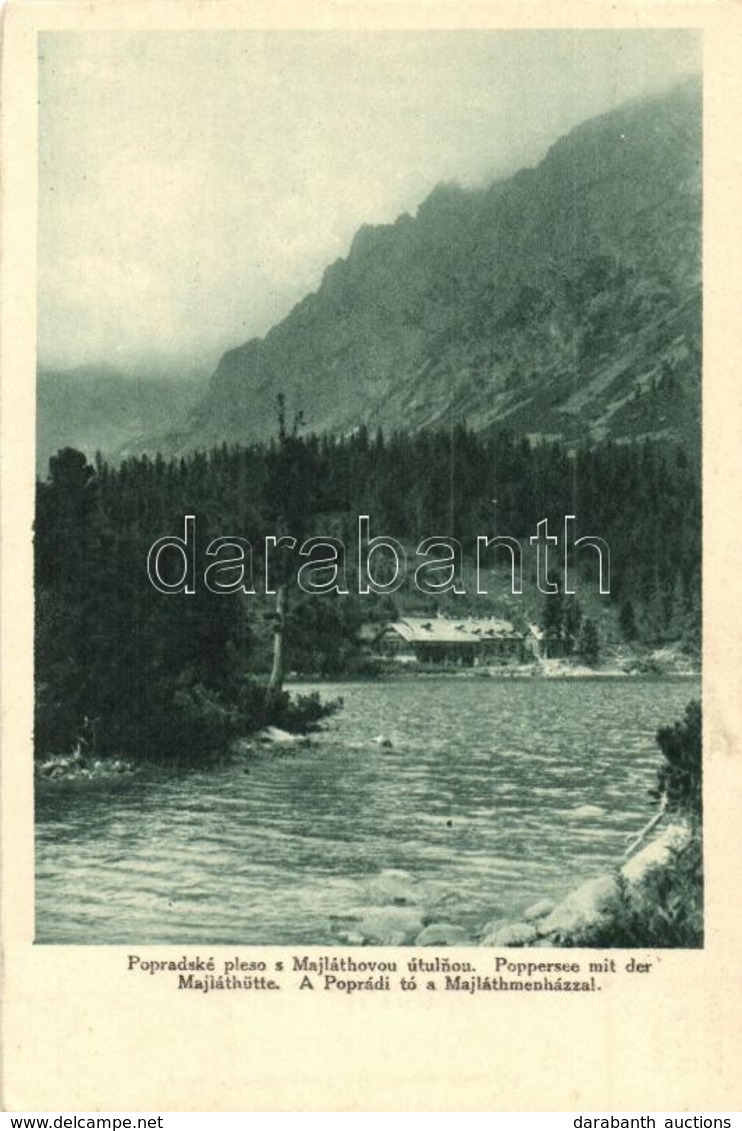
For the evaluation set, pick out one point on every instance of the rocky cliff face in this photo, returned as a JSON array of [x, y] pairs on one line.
[[564, 300]]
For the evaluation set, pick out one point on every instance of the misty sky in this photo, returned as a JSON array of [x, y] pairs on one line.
[[193, 187]]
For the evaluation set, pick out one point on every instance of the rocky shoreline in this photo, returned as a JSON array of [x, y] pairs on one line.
[[397, 914], [658, 666], [591, 910], [398, 910], [79, 767]]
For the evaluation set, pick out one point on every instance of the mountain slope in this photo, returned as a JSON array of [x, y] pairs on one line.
[[563, 300], [97, 408]]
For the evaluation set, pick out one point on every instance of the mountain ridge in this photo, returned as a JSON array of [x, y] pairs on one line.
[[563, 300]]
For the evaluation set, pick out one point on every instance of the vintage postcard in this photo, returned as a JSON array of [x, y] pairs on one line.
[[370, 567]]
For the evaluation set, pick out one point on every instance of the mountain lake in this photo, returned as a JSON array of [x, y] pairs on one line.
[[488, 794]]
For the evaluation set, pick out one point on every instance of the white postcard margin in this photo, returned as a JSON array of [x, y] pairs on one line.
[[82, 1034]]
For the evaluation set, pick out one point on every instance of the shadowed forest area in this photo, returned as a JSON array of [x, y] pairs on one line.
[[152, 675]]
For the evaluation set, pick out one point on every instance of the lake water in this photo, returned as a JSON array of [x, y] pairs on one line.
[[477, 799]]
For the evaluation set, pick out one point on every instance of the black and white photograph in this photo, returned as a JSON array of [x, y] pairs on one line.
[[367, 521]]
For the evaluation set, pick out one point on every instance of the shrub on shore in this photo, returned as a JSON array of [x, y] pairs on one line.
[[666, 909]]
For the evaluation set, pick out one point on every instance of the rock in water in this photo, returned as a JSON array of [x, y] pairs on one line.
[[394, 886], [443, 934], [282, 737], [351, 938], [539, 910], [390, 926], [584, 811], [512, 934]]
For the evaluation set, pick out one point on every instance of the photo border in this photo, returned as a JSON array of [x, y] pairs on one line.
[[81, 1034]]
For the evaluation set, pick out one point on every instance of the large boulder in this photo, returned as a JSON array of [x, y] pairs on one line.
[[511, 934], [443, 934], [390, 926], [395, 886], [539, 910], [278, 737], [588, 908], [657, 854]]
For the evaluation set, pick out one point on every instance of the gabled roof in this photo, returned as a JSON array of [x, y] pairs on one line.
[[446, 630]]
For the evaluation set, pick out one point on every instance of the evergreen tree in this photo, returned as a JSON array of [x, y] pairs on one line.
[[571, 623], [552, 619], [627, 622], [156, 671], [588, 645]]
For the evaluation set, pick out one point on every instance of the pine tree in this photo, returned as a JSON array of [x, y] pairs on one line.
[[588, 645], [627, 621], [572, 622]]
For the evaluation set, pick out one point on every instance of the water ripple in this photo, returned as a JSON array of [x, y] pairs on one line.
[[478, 797]]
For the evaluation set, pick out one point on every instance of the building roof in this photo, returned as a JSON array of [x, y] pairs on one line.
[[446, 630]]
